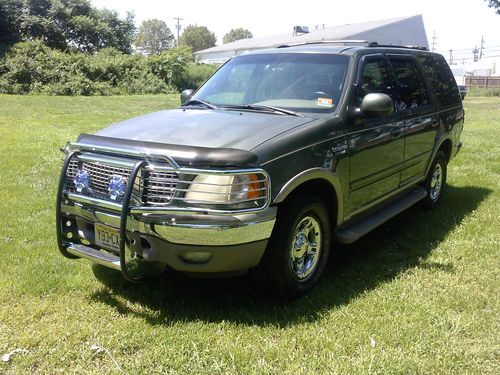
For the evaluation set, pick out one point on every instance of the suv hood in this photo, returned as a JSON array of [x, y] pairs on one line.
[[242, 130]]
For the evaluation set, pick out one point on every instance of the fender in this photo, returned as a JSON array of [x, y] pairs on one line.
[[309, 175], [439, 143]]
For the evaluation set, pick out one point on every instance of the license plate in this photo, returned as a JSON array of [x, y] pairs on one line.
[[107, 237]]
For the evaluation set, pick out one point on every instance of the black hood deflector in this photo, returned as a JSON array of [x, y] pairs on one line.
[[183, 155]]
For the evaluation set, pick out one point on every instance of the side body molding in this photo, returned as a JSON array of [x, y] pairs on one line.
[[314, 174]]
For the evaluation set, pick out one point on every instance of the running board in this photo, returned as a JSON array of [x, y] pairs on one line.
[[96, 256], [351, 233]]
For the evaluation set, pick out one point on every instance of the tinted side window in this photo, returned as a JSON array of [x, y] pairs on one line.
[[375, 78], [441, 80], [411, 88]]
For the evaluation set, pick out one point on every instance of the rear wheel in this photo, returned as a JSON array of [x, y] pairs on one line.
[[298, 249], [435, 183]]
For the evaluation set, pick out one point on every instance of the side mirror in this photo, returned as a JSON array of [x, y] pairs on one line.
[[185, 95], [377, 105]]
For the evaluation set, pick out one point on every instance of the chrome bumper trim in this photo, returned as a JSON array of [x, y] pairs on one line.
[[96, 256], [215, 235], [187, 229], [101, 203]]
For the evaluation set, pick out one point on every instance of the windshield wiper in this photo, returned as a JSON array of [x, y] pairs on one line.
[[198, 102], [262, 107]]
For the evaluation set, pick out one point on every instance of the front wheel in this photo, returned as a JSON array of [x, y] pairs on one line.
[[435, 183], [298, 249]]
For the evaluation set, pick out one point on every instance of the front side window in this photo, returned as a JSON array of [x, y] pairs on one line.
[[375, 78], [303, 82], [412, 93]]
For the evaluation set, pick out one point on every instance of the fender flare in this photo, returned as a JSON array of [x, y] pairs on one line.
[[441, 141], [309, 175]]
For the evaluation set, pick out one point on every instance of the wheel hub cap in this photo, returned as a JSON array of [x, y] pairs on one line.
[[436, 182], [305, 248]]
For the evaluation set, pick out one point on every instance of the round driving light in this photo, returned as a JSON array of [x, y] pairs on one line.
[[116, 187], [82, 180]]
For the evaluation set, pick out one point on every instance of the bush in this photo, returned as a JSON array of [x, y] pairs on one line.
[[32, 67], [196, 74]]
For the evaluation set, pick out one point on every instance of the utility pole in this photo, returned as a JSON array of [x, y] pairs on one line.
[[178, 27], [434, 38], [451, 57], [475, 53], [482, 47]]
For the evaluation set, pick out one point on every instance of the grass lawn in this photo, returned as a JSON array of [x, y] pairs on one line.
[[420, 295]]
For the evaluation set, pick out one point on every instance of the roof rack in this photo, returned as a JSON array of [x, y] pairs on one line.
[[342, 42], [348, 42], [375, 44]]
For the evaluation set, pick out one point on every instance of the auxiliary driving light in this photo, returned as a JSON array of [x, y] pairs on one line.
[[82, 180]]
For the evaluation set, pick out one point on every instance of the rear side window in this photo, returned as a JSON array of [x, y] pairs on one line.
[[412, 92], [441, 80]]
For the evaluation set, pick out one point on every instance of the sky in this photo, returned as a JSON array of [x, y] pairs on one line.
[[458, 25]]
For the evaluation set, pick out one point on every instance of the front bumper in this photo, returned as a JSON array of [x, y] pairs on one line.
[[185, 242], [186, 239]]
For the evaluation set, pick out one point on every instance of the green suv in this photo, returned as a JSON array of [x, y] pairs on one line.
[[279, 156]]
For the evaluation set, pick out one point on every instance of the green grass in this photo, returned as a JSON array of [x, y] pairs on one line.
[[481, 91], [417, 296]]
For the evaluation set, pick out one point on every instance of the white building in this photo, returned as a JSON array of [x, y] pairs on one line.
[[396, 31]]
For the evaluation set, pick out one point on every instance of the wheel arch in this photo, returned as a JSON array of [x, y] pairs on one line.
[[319, 181], [446, 146]]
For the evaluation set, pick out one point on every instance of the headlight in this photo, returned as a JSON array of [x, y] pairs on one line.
[[241, 190]]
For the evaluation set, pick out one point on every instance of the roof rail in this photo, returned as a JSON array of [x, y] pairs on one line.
[[375, 44], [342, 42], [349, 42]]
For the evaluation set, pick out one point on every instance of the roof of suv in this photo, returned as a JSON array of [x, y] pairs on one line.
[[328, 48]]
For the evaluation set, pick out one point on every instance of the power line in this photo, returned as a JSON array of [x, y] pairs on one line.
[[464, 49]]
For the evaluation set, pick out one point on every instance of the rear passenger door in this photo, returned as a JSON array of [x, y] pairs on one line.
[[415, 109]]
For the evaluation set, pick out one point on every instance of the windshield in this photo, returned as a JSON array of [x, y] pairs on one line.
[[303, 82]]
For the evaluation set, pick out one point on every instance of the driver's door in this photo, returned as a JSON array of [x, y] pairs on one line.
[[376, 144]]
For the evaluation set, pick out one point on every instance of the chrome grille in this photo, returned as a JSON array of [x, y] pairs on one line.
[[154, 188], [159, 186]]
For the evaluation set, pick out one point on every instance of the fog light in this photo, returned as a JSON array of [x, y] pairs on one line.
[[82, 180], [198, 257]]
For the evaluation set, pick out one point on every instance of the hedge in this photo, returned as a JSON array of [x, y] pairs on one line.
[[33, 68]]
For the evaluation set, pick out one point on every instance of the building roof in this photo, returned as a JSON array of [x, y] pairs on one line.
[[347, 31]]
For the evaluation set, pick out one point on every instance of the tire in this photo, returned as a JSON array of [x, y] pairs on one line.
[[298, 250], [435, 183]]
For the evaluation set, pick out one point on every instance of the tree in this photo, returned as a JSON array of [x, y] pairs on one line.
[[154, 37], [197, 38], [236, 34], [495, 4], [10, 11], [76, 24]]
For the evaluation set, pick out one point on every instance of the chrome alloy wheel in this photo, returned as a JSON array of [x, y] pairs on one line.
[[436, 182], [305, 248]]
